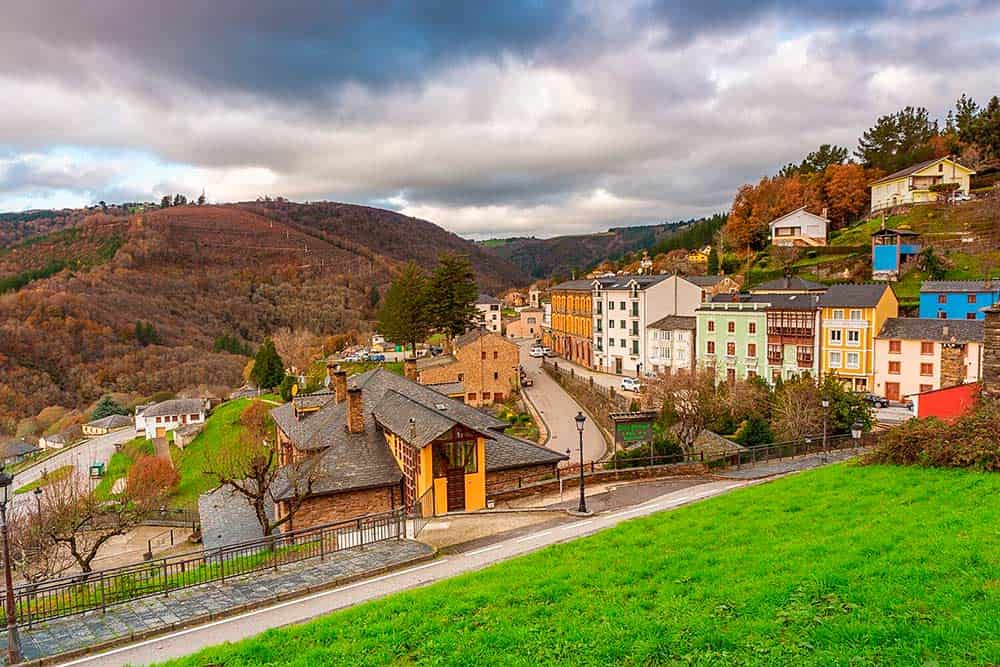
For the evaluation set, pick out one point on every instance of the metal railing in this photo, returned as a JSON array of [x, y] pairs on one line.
[[91, 591]]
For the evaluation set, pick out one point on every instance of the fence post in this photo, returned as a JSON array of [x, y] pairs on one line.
[[222, 566], [166, 582], [104, 601]]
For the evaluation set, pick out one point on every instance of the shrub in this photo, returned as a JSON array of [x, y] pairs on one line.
[[152, 479]]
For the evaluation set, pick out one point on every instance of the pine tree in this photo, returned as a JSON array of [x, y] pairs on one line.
[[898, 140], [405, 317], [165, 202], [713, 261], [107, 407], [452, 295], [268, 368]]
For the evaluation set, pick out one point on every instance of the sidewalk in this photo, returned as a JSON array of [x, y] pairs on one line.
[[188, 606]]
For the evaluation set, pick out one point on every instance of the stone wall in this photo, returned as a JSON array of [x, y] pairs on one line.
[[570, 481], [503, 480], [340, 506], [598, 401], [487, 366], [952, 364], [991, 353]]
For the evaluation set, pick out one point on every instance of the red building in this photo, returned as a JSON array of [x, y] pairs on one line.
[[948, 403]]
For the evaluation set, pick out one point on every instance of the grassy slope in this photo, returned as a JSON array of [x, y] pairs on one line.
[[843, 565], [221, 428], [120, 463], [56, 475]]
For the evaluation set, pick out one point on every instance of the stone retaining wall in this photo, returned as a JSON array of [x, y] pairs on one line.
[[572, 481]]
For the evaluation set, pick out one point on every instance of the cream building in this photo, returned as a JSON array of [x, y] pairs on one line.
[[914, 185]]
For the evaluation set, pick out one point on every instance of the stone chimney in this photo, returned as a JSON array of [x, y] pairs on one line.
[[339, 385], [823, 214], [410, 368], [952, 364], [331, 368], [991, 353], [355, 411]]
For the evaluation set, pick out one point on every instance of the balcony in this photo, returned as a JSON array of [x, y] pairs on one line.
[[790, 332], [774, 358]]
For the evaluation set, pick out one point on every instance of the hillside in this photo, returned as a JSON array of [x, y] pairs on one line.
[[560, 256], [70, 300]]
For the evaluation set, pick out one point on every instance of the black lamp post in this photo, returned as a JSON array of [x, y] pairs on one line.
[[38, 499], [856, 432], [638, 371], [826, 404], [580, 420], [13, 641]]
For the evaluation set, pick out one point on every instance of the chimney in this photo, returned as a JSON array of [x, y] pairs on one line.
[[410, 368], [339, 385], [944, 331], [355, 411], [991, 353], [823, 215], [330, 369]]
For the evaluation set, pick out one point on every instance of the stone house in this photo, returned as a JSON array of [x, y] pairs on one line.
[[483, 368], [386, 441]]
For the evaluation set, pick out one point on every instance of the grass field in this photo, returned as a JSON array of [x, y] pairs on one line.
[[54, 476], [120, 462], [221, 428], [844, 565]]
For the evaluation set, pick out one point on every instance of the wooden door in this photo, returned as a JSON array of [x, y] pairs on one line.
[[456, 489], [618, 365], [161, 431], [892, 391]]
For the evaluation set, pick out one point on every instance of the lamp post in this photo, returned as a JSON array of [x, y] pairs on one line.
[[856, 432], [13, 641], [580, 420], [38, 499], [826, 405]]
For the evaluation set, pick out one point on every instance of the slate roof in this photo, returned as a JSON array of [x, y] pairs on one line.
[[864, 295], [316, 399], [15, 448], [925, 328], [176, 406], [622, 282], [111, 422], [674, 322], [789, 284], [960, 286], [486, 299], [714, 446], [705, 281], [575, 285], [448, 388], [786, 301], [912, 169], [895, 232], [348, 461], [439, 360]]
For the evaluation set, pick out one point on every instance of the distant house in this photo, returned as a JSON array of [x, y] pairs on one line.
[[14, 451], [160, 418], [800, 228], [670, 344], [489, 312], [916, 355], [789, 285], [958, 299], [891, 249], [699, 256], [106, 425], [482, 369], [61, 439], [527, 325], [713, 285], [916, 184]]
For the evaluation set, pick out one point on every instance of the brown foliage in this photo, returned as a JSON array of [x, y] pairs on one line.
[[797, 409], [688, 403], [151, 479]]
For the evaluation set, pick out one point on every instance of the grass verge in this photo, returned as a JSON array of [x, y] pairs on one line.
[[53, 476]]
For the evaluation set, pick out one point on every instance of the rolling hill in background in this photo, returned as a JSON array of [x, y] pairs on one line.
[[73, 285], [561, 256]]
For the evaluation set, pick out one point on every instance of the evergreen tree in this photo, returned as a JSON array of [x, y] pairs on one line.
[[966, 115], [165, 202], [452, 295], [987, 128], [713, 261], [201, 198], [145, 334], [180, 200], [107, 407], [268, 368], [373, 296], [817, 161], [754, 431], [404, 317], [898, 140]]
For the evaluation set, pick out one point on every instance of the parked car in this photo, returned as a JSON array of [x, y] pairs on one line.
[[961, 196], [537, 351], [631, 384], [435, 350], [876, 401], [378, 356]]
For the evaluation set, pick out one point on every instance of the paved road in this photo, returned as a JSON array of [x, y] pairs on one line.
[[254, 622], [604, 379], [96, 449], [558, 409]]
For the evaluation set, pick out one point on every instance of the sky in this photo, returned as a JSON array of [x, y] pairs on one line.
[[520, 117]]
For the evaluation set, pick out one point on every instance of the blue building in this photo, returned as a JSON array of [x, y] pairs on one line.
[[891, 248], [958, 299]]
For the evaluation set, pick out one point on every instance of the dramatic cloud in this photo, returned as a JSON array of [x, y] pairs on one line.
[[488, 118]]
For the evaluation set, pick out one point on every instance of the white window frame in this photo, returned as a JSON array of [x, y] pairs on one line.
[[836, 354], [857, 364], [838, 314], [856, 311], [857, 334], [838, 339]]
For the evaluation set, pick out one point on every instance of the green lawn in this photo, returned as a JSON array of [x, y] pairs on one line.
[[120, 462], [222, 427], [354, 368], [54, 476], [844, 565]]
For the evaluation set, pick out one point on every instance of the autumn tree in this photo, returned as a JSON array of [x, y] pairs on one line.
[[688, 403], [846, 193], [297, 347], [452, 295], [404, 316], [153, 478], [797, 409]]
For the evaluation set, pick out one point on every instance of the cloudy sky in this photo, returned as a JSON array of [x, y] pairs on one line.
[[489, 118]]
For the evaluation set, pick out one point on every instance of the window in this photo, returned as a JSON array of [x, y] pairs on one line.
[[611, 342], [894, 367], [471, 397], [926, 387], [731, 326], [710, 347], [461, 377], [926, 369], [836, 336], [621, 323], [611, 324], [731, 349], [711, 325], [635, 309], [611, 305], [621, 306], [853, 337], [635, 328], [751, 327], [942, 315], [496, 375], [497, 397], [621, 343], [460, 454], [970, 316], [838, 314], [942, 298], [835, 360], [600, 308], [496, 355], [483, 354], [853, 360], [751, 375], [856, 314], [895, 346], [971, 298], [940, 167], [926, 347], [635, 347], [751, 350]]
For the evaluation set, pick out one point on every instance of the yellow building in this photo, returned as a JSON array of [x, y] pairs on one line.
[[851, 317], [915, 184], [699, 256], [572, 327]]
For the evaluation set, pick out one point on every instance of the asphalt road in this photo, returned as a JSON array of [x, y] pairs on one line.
[[245, 625], [559, 410]]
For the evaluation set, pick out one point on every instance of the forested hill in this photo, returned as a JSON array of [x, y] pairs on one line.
[[71, 298]]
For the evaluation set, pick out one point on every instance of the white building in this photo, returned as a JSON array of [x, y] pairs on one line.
[[800, 228], [489, 313], [670, 345], [159, 418]]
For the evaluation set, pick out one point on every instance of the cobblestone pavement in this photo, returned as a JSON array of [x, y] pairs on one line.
[[75, 632], [789, 465]]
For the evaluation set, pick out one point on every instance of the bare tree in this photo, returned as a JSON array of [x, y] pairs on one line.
[[297, 347], [797, 409], [34, 555], [689, 403], [251, 467]]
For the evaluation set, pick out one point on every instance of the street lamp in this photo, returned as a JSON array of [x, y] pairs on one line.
[[38, 499], [856, 432], [826, 404], [13, 642], [580, 420]]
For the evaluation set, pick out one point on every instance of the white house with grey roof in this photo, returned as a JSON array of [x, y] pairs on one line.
[[160, 418], [488, 308]]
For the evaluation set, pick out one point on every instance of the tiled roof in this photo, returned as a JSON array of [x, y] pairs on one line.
[[910, 170], [111, 422], [864, 295], [439, 360], [13, 448], [176, 406], [574, 285], [960, 286], [705, 281], [674, 322], [925, 328], [789, 284], [448, 388], [486, 299]]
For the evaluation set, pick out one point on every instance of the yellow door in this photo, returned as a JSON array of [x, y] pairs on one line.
[[161, 431]]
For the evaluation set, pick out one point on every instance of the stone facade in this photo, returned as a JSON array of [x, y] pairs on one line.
[[952, 364], [484, 362], [503, 480], [991, 353], [340, 506]]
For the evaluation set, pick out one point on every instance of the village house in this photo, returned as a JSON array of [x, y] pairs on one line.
[[800, 228], [14, 451], [160, 418], [958, 299], [920, 184], [514, 298], [671, 344], [528, 324], [714, 285], [699, 255], [61, 439], [488, 308], [571, 322], [380, 441], [852, 315], [916, 355], [106, 425], [482, 369], [623, 307], [731, 338], [892, 249]]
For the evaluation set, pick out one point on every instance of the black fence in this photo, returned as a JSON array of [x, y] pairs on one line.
[[91, 591]]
